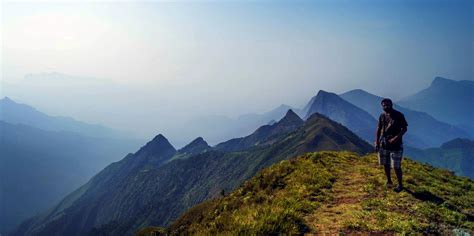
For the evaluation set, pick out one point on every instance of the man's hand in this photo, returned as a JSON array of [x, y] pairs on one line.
[[393, 140], [376, 144]]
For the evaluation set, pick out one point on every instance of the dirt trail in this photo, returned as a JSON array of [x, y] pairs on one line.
[[348, 191]]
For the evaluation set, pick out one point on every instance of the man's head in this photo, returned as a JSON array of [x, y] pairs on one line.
[[387, 105]]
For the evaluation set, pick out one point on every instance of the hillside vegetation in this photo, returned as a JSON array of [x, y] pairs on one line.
[[147, 189], [334, 192]]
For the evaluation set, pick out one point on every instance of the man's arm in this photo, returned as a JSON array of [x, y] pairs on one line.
[[378, 132], [403, 130]]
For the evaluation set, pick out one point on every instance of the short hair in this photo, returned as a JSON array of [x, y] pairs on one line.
[[387, 100]]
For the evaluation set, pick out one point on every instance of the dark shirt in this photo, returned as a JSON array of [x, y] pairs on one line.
[[391, 124]]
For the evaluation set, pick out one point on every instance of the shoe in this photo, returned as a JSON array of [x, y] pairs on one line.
[[398, 189], [389, 184]]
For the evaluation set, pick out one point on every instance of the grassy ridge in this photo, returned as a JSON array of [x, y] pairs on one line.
[[334, 192]]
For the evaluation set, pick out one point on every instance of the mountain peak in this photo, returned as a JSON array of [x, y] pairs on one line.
[[197, 145], [360, 92], [323, 99], [458, 143], [264, 134], [157, 145], [197, 142], [198, 139], [290, 118], [290, 112], [323, 93], [159, 138], [319, 96], [7, 100], [440, 81]]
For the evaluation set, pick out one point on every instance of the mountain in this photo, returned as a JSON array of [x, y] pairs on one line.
[[338, 109], [120, 202], [215, 129], [106, 188], [423, 130], [335, 193], [197, 146], [16, 113], [446, 100], [275, 114], [288, 123], [38, 168], [458, 143], [456, 155]]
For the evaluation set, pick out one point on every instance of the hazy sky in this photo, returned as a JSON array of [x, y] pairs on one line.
[[149, 66]]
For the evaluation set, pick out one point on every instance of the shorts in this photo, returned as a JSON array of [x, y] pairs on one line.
[[391, 158]]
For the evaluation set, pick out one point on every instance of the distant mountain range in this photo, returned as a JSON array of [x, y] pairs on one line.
[[264, 134], [456, 155], [447, 100], [42, 158], [215, 129], [143, 188], [38, 168], [423, 130], [16, 113], [359, 110], [342, 111], [158, 183]]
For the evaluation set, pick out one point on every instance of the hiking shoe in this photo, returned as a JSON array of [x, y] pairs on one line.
[[389, 184], [398, 189]]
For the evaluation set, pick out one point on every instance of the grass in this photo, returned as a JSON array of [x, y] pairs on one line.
[[333, 193]]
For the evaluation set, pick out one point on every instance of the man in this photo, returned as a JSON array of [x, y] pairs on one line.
[[390, 130]]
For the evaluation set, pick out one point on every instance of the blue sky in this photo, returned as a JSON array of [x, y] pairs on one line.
[[194, 58]]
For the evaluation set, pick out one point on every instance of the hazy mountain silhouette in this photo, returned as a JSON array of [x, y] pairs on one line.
[[38, 168], [423, 130], [446, 100], [197, 146], [456, 155], [216, 129], [342, 111], [16, 113], [288, 123]]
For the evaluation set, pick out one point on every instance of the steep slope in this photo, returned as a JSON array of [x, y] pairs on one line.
[[424, 130], [338, 109], [16, 113], [447, 100], [456, 155], [333, 193], [38, 167], [157, 195]]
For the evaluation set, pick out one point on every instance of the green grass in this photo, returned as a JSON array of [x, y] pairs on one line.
[[337, 192]]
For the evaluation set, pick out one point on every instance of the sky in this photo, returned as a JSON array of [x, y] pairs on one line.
[[150, 66]]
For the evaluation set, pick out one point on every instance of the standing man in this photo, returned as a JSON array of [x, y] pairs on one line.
[[390, 130]]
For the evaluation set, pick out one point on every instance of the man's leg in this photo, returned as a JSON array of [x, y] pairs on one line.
[[398, 172], [387, 173], [397, 157], [384, 159]]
